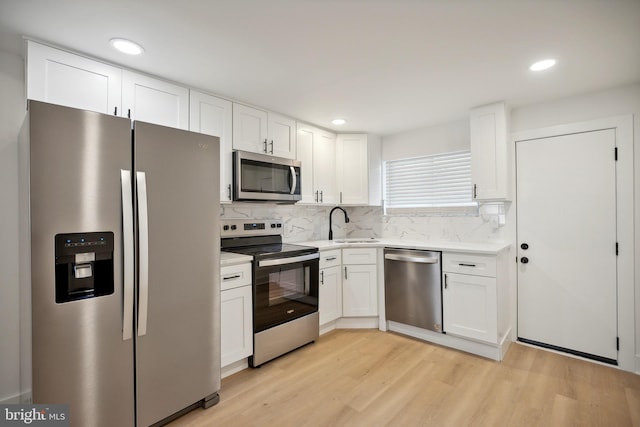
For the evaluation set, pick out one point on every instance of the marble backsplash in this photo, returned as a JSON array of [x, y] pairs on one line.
[[309, 222]]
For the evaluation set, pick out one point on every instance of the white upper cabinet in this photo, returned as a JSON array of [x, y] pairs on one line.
[[316, 149], [281, 136], [264, 132], [62, 78], [249, 129], [151, 100], [358, 162], [214, 116], [489, 128]]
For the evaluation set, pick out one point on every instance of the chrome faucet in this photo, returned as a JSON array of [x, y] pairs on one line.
[[346, 220]]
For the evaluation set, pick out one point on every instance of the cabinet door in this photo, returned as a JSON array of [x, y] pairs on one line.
[[488, 127], [236, 325], [282, 136], [249, 129], [154, 101], [469, 306], [359, 290], [62, 78], [330, 294], [353, 169], [214, 116], [324, 167], [304, 153]]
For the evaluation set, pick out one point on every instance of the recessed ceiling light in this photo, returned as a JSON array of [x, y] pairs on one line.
[[338, 121], [542, 65], [127, 46]]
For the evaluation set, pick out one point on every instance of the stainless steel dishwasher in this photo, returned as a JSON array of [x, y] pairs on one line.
[[413, 287]]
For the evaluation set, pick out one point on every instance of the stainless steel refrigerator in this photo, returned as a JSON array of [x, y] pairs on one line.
[[120, 273]]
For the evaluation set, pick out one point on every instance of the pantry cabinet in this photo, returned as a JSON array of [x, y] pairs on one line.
[[259, 131], [236, 318], [214, 116], [330, 286], [359, 282], [358, 161], [62, 78], [156, 101], [489, 127], [316, 149]]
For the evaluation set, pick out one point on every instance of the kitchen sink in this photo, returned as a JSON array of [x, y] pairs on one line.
[[372, 240]]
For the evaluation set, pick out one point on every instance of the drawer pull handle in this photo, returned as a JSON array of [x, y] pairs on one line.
[[237, 276], [333, 258], [466, 265]]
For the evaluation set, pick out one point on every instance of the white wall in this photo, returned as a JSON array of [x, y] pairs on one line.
[[12, 110], [453, 136]]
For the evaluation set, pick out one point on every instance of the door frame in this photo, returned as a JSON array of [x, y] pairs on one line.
[[623, 126]]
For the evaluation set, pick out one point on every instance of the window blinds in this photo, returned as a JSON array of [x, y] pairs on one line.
[[440, 180]]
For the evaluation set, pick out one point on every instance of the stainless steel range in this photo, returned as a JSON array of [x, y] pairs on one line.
[[285, 286]]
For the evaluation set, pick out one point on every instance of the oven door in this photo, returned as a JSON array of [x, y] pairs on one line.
[[284, 289]]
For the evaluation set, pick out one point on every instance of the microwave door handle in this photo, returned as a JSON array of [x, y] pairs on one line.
[[294, 180]]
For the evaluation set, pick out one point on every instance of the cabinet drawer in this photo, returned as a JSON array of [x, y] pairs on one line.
[[476, 264], [359, 256], [233, 276], [330, 258]]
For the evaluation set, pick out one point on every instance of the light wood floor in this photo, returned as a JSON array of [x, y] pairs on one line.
[[371, 378]]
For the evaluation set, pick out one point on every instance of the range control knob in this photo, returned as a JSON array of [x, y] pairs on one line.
[[524, 260]]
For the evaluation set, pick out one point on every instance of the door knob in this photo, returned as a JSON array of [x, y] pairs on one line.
[[524, 260], [524, 246]]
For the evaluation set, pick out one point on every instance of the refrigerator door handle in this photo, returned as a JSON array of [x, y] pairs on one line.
[[143, 244], [127, 234]]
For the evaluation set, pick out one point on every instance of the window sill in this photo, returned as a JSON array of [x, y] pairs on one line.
[[443, 211]]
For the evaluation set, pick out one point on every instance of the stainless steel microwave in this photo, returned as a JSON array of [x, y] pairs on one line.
[[261, 177]]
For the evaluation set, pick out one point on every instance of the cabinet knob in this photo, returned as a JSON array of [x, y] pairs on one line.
[[524, 246], [524, 260]]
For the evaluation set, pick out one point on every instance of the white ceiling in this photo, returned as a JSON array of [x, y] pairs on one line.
[[384, 65]]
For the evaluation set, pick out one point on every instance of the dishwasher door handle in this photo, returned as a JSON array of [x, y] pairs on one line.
[[410, 258]]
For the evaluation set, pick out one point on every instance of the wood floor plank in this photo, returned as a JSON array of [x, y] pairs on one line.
[[372, 378]]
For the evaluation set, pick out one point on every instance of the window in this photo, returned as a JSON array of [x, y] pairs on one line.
[[439, 183]]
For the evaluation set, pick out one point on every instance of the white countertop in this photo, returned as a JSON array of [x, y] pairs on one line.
[[482, 248], [228, 258]]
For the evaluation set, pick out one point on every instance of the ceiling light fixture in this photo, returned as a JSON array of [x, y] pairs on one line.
[[542, 65], [127, 46], [338, 121]]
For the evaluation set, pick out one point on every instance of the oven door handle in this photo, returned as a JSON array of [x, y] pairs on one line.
[[291, 260]]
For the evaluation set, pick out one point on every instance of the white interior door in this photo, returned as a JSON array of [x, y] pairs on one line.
[[567, 217]]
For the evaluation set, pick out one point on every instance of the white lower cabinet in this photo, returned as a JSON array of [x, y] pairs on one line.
[[330, 286], [470, 296], [236, 318], [359, 282]]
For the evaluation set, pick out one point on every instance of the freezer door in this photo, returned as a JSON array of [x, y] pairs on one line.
[[178, 332], [79, 355]]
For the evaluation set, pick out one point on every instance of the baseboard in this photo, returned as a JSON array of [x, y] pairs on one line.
[[234, 367], [357, 323], [490, 351], [328, 327]]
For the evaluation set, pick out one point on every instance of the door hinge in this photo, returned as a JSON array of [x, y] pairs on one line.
[[615, 153], [616, 248], [618, 343]]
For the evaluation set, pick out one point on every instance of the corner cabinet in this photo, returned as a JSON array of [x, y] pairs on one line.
[[330, 286], [474, 296], [236, 318], [62, 78], [316, 149], [359, 165], [259, 131], [213, 116], [359, 282], [489, 127]]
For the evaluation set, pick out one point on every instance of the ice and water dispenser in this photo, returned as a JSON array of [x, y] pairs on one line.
[[84, 265]]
